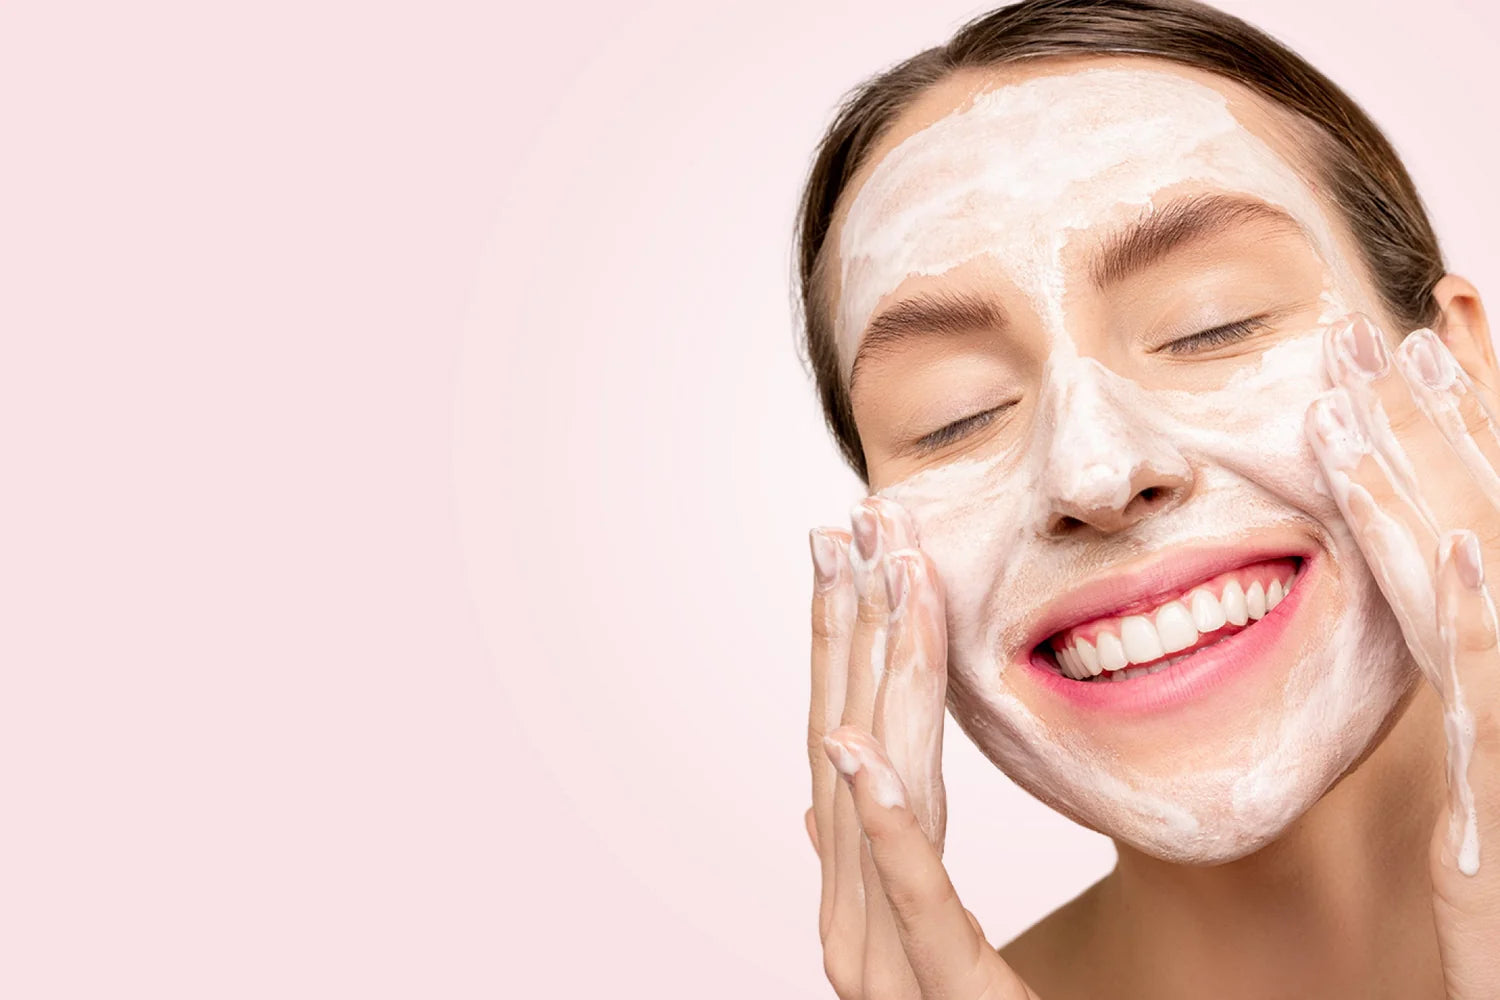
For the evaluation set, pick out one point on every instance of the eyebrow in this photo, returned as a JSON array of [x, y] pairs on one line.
[[1179, 223], [943, 313], [1143, 243]]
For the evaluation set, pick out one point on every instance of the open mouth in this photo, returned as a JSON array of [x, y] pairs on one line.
[[1154, 638]]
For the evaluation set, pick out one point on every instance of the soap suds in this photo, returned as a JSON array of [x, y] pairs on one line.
[[1011, 179]]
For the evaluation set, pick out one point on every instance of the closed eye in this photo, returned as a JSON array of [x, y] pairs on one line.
[[949, 433], [1217, 337]]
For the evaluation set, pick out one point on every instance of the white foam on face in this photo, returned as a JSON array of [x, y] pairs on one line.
[[1026, 166], [1013, 177]]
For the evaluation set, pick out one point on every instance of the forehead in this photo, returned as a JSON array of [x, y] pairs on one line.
[[1011, 164]]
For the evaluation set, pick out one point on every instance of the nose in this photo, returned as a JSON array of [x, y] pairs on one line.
[[1107, 468]]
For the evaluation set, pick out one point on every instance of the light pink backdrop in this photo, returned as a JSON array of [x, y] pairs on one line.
[[406, 478]]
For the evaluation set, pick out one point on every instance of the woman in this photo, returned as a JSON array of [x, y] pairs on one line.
[[1111, 304]]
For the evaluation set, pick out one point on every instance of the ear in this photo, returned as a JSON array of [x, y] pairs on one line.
[[1463, 327]]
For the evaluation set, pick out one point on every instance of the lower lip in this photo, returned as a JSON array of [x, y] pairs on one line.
[[1207, 669]]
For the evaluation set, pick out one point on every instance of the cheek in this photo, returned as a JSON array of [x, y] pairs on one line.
[[1253, 429], [971, 519]]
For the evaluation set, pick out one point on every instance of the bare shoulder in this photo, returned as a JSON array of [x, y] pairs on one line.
[[1046, 953]]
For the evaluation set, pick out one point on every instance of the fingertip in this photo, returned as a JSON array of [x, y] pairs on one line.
[[1460, 554], [915, 565], [1334, 336], [1466, 619], [897, 529], [844, 761], [830, 554], [1426, 362], [864, 523], [853, 752], [897, 578], [1335, 428]]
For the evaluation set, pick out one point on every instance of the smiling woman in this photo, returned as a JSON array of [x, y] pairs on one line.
[[1076, 287]]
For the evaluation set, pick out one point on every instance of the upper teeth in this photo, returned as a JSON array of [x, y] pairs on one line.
[[1174, 626]]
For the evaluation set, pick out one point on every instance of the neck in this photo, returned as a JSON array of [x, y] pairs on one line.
[[1339, 905]]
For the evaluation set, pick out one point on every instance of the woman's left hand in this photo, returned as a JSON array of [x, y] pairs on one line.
[[1411, 450]]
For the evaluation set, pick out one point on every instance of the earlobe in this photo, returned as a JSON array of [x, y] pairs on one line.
[[1464, 328]]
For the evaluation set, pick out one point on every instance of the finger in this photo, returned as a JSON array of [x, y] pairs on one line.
[[1452, 406], [1466, 904], [1358, 360], [833, 612], [1471, 677], [1393, 534], [887, 972], [872, 520], [910, 703], [947, 957], [884, 969], [879, 526], [810, 821]]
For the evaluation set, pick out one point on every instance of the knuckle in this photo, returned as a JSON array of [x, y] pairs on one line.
[[1476, 637], [900, 826], [817, 757], [890, 834], [1486, 528], [1477, 426], [815, 752], [1403, 417], [828, 625], [824, 631], [1475, 419], [832, 613], [917, 900]]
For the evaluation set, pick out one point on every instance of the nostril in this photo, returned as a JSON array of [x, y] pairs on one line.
[[1065, 524], [1105, 514]]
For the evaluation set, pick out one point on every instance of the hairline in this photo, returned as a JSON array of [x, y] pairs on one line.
[[1292, 129]]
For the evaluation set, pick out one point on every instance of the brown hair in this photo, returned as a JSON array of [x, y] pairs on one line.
[[1363, 175]]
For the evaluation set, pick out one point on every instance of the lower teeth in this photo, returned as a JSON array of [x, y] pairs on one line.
[[1126, 673]]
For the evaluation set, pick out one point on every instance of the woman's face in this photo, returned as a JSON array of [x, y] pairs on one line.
[[1082, 305]]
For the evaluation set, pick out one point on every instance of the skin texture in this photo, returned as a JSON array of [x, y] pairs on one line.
[[901, 628], [1040, 500]]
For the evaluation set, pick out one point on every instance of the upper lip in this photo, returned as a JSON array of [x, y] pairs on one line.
[[1151, 581]]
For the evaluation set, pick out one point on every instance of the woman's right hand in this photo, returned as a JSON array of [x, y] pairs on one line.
[[891, 924]]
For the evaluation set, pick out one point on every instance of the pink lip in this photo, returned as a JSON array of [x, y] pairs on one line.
[[1209, 668], [1145, 586]]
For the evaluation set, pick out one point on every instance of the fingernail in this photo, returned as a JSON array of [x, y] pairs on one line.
[[866, 524], [844, 761], [895, 582], [885, 787], [1463, 550], [1429, 360], [825, 557], [1361, 346], [1337, 427]]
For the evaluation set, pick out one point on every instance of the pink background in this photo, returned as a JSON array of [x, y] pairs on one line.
[[407, 471]]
